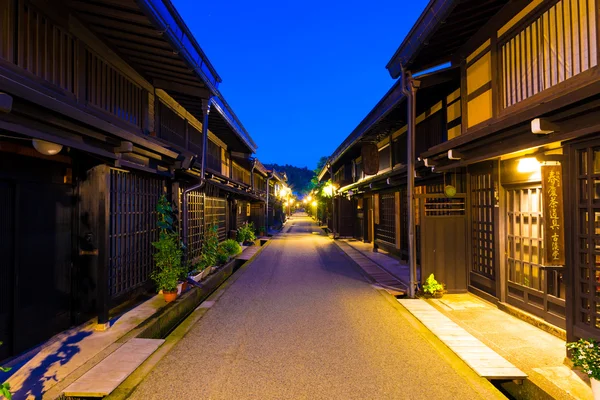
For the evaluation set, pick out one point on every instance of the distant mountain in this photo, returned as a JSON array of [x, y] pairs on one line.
[[298, 178]]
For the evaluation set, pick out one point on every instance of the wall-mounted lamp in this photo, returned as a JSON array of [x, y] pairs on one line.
[[46, 148], [454, 155], [528, 165]]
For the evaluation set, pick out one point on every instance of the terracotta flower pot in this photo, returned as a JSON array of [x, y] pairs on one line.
[[170, 296]]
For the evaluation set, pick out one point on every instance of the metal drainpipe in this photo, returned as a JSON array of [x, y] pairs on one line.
[[332, 199], [205, 111], [267, 205], [409, 91]]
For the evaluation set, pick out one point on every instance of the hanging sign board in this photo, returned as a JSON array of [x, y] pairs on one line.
[[370, 158], [554, 223]]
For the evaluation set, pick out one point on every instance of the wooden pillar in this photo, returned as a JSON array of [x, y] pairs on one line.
[[94, 241]]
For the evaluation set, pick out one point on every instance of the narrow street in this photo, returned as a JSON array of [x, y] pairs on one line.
[[303, 323]]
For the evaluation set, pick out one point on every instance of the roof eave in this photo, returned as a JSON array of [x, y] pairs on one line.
[[429, 21], [163, 14], [234, 123]]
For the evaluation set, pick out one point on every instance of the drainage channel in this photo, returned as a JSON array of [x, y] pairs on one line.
[[180, 315]]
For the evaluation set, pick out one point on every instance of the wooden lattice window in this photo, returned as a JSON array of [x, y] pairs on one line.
[[195, 209], [558, 45], [171, 126], [240, 174], [109, 90], [45, 49], [386, 229], [482, 215], [216, 213], [587, 277], [132, 229]]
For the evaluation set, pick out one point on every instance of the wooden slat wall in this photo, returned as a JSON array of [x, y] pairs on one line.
[[133, 200], [172, 126], [109, 90], [213, 156], [240, 174], [559, 44], [45, 49], [195, 223], [385, 231], [194, 140], [6, 29]]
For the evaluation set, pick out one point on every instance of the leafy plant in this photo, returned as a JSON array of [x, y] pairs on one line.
[[5, 387], [222, 255], [432, 287], [231, 247], [245, 233], [168, 268], [210, 244], [585, 353]]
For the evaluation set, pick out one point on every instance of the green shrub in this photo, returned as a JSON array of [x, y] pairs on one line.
[[245, 233], [168, 267], [222, 255], [231, 247], [210, 244]]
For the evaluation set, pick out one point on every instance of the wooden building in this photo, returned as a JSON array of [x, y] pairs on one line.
[[522, 157], [104, 108]]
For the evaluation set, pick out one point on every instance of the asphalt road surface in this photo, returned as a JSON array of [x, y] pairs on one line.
[[301, 322]]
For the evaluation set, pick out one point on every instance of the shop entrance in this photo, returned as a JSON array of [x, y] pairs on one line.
[[530, 286]]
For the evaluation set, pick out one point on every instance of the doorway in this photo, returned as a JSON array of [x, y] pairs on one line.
[[529, 285]]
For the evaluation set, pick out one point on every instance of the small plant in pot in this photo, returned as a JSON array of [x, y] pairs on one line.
[[168, 268], [245, 234], [432, 288], [585, 353], [210, 244]]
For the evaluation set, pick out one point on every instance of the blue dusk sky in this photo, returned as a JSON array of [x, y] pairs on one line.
[[300, 75]]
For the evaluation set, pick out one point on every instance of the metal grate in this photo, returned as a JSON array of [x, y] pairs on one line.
[[45, 49], [386, 229], [110, 91], [216, 213], [132, 229], [482, 209]]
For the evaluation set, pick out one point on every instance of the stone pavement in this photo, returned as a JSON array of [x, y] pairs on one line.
[[301, 322]]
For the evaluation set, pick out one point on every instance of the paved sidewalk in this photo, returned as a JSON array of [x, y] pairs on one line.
[[538, 353], [302, 323]]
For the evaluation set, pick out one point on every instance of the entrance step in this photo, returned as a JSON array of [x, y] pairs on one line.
[[388, 281], [101, 380], [483, 360]]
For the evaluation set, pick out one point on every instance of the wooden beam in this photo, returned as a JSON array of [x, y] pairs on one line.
[[169, 86]]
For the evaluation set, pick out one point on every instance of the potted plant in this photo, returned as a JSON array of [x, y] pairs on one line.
[[261, 231], [585, 353], [245, 234], [433, 288], [168, 269]]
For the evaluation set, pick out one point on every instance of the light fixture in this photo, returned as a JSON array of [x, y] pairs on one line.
[[528, 165], [46, 148], [314, 203]]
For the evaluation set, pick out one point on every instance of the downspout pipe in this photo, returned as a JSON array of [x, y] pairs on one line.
[[409, 90], [269, 177], [205, 111], [333, 221]]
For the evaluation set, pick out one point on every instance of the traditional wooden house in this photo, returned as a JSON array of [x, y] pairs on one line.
[[369, 174], [527, 149], [104, 107]]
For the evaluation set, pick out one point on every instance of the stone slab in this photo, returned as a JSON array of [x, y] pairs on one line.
[[101, 380], [483, 360]]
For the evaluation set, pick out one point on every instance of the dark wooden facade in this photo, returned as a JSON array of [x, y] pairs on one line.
[[124, 104]]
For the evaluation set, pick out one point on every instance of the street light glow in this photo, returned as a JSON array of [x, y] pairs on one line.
[[314, 203]]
